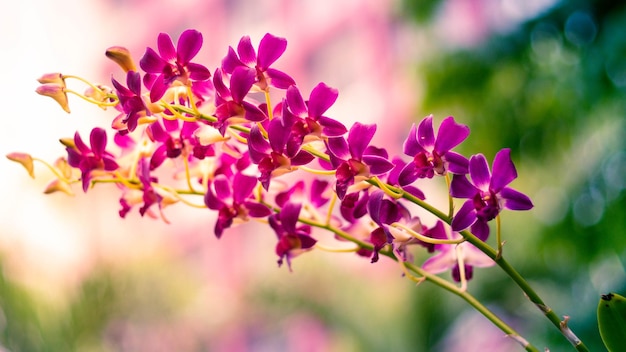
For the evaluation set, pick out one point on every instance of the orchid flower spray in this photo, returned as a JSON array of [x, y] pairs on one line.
[[182, 133]]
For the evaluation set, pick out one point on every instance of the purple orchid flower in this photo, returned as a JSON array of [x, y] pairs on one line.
[[232, 199], [131, 102], [316, 196], [91, 159], [354, 205], [149, 197], [292, 240], [307, 117], [173, 64], [354, 158], [447, 259], [487, 193], [168, 144], [270, 49], [231, 103], [384, 212], [432, 155], [271, 155]]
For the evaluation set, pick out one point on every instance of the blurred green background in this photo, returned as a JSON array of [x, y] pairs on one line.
[[551, 86]]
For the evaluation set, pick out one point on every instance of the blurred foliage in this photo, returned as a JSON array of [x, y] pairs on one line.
[[553, 90]]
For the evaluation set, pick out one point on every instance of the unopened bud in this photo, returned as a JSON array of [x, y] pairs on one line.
[[68, 142], [55, 92], [64, 168], [121, 56], [25, 159], [55, 78], [58, 186]]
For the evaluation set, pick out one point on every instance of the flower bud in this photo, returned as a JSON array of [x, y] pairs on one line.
[[68, 142], [58, 186], [121, 56], [55, 78], [56, 92], [25, 159], [64, 168]]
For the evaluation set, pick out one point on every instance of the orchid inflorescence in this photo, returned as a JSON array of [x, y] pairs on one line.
[[223, 138]]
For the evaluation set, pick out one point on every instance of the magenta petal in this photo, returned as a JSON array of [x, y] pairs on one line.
[[515, 200], [259, 146], [257, 210], [73, 157], [302, 158], [151, 62], [109, 164], [158, 89], [212, 201], [166, 47], [318, 189], [158, 157], [306, 242], [270, 49], [415, 192], [442, 261], [503, 171], [98, 141], [253, 112], [339, 147], [289, 216], [279, 79], [80, 145], [457, 163], [465, 217], [241, 81], [450, 135], [479, 172], [220, 88], [189, 45], [411, 146], [408, 174], [480, 229], [460, 187], [295, 102], [246, 51], [277, 135], [198, 72], [231, 61], [331, 127], [243, 186], [359, 138], [86, 180], [425, 133], [378, 165], [374, 205], [222, 187], [133, 80], [322, 97]]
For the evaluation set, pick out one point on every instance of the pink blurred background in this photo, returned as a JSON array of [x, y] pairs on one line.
[[51, 243]]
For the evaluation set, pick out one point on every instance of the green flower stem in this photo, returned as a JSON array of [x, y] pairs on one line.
[[471, 300], [446, 285], [503, 264]]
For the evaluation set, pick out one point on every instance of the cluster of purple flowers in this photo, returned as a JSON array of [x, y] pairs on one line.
[[286, 164]]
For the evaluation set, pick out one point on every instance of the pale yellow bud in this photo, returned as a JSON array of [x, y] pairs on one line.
[[121, 56], [58, 186], [25, 159], [55, 78], [56, 92]]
